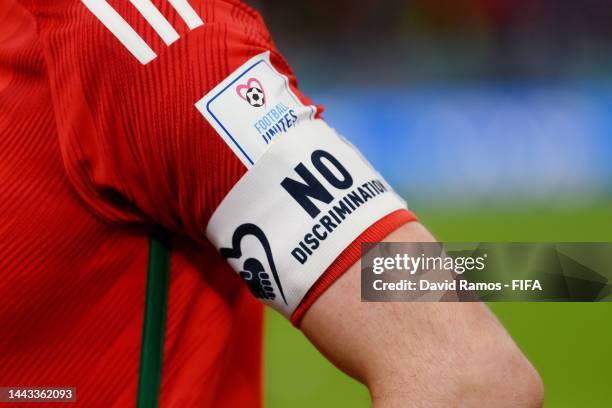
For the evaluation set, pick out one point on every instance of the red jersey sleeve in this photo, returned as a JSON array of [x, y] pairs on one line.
[[182, 113]]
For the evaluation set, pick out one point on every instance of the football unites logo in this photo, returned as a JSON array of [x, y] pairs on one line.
[[252, 92]]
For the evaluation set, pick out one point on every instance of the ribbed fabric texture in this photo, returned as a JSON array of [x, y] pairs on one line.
[[95, 148]]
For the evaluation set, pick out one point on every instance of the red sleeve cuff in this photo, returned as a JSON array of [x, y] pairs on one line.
[[375, 233]]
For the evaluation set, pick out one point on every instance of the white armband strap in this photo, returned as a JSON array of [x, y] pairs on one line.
[[308, 197], [308, 194]]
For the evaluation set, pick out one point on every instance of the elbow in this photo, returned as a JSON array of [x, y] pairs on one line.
[[508, 381], [521, 383], [480, 376]]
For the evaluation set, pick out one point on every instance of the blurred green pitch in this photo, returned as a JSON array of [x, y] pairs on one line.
[[569, 343]]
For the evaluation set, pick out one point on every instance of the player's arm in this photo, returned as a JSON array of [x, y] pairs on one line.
[[421, 354], [192, 121]]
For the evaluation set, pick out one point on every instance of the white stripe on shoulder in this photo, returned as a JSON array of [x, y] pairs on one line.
[[187, 13], [121, 29], [159, 23]]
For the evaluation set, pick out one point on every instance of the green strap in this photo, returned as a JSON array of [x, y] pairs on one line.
[[154, 324]]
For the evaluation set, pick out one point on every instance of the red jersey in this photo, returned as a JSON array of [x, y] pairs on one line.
[[125, 121]]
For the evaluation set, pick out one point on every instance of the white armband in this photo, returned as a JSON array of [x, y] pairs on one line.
[[308, 194]]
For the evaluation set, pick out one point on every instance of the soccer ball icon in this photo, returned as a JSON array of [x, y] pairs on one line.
[[255, 97]]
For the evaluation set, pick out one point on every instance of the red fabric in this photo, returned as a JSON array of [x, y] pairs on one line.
[[349, 256], [94, 149]]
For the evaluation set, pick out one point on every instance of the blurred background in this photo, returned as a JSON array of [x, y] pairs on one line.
[[494, 119]]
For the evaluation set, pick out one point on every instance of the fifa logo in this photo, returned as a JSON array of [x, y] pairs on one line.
[[252, 92]]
